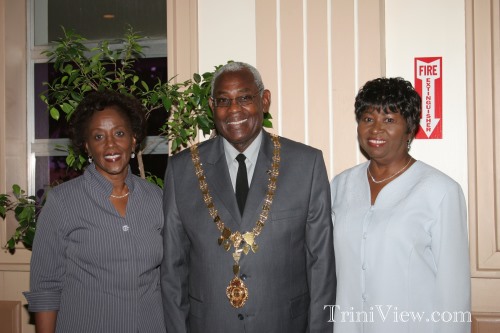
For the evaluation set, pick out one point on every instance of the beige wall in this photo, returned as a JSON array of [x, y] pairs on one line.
[[14, 274], [418, 29], [237, 40]]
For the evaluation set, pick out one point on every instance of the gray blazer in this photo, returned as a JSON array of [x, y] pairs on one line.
[[289, 279]]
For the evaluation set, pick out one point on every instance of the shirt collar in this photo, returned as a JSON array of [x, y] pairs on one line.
[[251, 153], [99, 181]]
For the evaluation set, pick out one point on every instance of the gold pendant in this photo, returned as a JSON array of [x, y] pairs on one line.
[[237, 292]]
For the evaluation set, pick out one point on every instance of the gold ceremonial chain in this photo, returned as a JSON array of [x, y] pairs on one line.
[[237, 292]]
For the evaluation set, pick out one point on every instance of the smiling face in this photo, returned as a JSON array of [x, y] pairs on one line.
[[383, 136], [110, 142], [239, 125]]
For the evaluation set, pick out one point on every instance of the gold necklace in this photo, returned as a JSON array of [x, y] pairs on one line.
[[119, 196], [236, 291], [394, 175]]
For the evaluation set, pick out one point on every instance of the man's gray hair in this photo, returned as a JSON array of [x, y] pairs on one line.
[[237, 66]]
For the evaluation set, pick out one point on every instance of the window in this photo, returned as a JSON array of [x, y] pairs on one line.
[[95, 20]]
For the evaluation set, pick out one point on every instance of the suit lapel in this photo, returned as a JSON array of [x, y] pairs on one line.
[[258, 187], [219, 184]]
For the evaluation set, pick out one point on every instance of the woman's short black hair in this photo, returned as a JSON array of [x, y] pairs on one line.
[[129, 106], [390, 95]]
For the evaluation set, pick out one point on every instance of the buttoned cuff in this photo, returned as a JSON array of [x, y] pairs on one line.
[[43, 300]]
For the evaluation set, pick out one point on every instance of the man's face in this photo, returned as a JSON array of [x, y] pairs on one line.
[[239, 124]]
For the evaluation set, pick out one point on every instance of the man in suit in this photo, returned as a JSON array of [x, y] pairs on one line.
[[248, 240]]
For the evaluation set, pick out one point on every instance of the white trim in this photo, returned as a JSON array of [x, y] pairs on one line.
[[30, 98], [154, 145], [330, 85], [306, 72], [278, 67], [356, 67], [40, 22]]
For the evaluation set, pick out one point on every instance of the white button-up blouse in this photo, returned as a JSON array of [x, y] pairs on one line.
[[403, 263]]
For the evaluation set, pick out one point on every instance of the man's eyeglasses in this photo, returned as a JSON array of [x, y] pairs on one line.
[[221, 102]]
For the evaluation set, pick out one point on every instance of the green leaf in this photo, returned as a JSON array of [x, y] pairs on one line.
[[154, 98], [54, 113], [70, 159], [67, 108], [167, 103], [202, 122], [68, 68], [11, 243], [174, 145], [28, 237], [154, 179], [197, 90], [267, 123], [16, 189]]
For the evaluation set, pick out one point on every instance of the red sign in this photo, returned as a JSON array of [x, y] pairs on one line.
[[429, 84]]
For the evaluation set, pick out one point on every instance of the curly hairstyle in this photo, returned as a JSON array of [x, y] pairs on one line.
[[130, 107], [390, 95]]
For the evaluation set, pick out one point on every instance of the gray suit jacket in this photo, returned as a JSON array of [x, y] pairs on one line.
[[289, 279]]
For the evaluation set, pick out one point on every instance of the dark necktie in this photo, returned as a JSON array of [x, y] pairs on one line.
[[241, 183]]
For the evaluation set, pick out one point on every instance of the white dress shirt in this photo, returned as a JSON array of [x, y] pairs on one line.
[[251, 154]]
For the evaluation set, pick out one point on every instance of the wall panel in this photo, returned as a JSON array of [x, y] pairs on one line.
[[267, 54], [317, 108], [13, 150], [483, 108], [292, 64], [182, 36], [483, 130], [307, 53]]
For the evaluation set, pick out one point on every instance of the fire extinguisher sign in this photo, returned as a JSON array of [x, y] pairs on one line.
[[428, 83]]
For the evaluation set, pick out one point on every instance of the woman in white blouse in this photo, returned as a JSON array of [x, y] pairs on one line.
[[400, 227]]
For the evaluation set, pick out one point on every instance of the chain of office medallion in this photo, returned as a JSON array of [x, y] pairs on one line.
[[236, 238]]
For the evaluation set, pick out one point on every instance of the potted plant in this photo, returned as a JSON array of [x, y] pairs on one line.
[[111, 66], [25, 209]]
